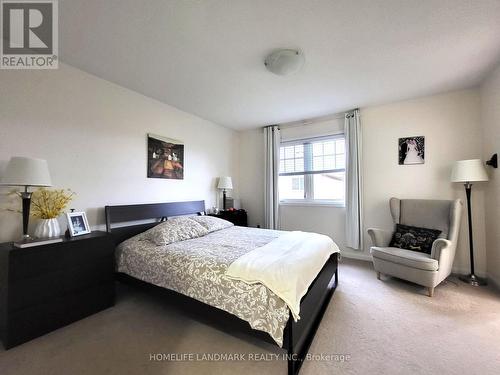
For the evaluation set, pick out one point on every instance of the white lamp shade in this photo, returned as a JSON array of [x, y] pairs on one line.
[[225, 183], [23, 171], [469, 171]]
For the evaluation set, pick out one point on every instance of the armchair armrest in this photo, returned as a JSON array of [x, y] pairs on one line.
[[380, 237], [438, 246]]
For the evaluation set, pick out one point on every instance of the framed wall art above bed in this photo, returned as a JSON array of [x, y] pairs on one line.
[[165, 158]]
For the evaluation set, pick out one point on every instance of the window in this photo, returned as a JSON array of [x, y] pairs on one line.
[[298, 183], [313, 170]]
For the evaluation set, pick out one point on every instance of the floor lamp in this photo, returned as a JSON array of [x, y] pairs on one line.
[[466, 172]]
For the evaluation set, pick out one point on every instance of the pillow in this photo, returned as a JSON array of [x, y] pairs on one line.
[[414, 238], [174, 230], [212, 223]]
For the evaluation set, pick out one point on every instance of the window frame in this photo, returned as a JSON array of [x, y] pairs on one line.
[[308, 200]]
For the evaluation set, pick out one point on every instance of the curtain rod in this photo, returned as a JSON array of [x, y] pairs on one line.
[[315, 120], [308, 122]]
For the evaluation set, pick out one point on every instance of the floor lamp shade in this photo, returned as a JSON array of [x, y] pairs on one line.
[[468, 171], [26, 172]]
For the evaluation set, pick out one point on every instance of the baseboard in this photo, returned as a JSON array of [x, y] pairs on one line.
[[494, 281], [456, 270], [466, 271], [356, 255]]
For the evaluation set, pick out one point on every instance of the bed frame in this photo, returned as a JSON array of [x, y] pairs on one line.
[[298, 336]]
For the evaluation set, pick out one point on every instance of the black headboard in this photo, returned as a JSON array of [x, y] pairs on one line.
[[137, 212]]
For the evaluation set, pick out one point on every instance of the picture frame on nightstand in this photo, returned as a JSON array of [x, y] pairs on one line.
[[77, 223]]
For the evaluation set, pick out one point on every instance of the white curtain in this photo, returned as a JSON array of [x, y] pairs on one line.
[[354, 194], [272, 141]]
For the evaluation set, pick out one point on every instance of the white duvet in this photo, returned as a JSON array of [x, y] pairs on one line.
[[287, 265]]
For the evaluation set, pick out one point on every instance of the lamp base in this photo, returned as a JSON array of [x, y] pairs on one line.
[[473, 280]]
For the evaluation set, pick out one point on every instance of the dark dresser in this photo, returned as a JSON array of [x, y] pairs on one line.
[[237, 217], [46, 287]]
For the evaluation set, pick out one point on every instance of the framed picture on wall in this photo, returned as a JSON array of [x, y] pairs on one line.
[[411, 150], [165, 158], [77, 223]]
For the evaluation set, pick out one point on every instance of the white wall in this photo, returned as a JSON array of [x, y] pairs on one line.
[[251, 172], [490, 111], [450, 123], [451, 126], [93, 134]]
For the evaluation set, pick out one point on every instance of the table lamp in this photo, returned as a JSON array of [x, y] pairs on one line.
[[468, 171], [26, 172], [224, 184]]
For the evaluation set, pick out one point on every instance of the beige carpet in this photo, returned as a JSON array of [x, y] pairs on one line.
[[382, 327]]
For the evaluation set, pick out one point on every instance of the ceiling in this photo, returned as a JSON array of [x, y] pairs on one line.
[[206, 56]]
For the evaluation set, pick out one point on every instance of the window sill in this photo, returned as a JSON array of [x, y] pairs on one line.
[[313, 204]]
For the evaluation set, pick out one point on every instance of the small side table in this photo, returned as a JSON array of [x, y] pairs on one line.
[[237, 217]]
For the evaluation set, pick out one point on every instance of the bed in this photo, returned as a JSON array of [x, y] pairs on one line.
[[195, 269]]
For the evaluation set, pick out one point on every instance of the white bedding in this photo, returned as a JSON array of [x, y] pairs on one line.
[[287, 265], [197, 268]]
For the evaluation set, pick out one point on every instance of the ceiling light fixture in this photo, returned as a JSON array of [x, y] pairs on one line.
[[284, 62]]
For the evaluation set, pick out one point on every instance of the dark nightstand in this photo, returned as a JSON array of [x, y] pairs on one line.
[[237, 217], [46, 287]]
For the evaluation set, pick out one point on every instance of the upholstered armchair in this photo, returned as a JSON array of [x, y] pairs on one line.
[[421, 268]]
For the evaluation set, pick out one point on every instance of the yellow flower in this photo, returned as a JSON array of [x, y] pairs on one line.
[[49, 204]]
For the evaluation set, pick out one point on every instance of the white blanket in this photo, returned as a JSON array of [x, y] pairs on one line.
[[287, 265]]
